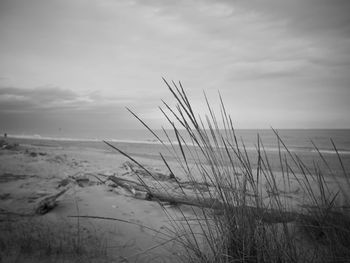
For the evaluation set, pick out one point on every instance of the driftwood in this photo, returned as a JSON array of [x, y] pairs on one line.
[[131, 168], [153, 194], [264, 214], [48, 203], [130, 185]]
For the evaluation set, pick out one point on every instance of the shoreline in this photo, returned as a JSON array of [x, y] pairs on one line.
[[152, 150], [298, 149]]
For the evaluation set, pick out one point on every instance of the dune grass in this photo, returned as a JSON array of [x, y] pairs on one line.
[[247, 188], [29, 239]]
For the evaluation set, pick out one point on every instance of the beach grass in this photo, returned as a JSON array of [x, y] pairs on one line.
[[30, 239], [293, 215]]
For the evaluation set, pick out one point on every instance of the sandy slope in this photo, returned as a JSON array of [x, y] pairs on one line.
[[29, 173]]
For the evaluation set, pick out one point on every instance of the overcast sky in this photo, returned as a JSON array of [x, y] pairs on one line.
[[75, 64]]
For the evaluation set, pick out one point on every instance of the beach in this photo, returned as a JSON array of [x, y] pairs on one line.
[[30, 172], [127, 227], [174, 131]]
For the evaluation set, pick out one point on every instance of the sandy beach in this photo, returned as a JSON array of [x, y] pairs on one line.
[[30, 173], [32, 170]]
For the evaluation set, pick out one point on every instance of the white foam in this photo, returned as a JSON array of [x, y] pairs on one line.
[[49, 138], [332, 152]]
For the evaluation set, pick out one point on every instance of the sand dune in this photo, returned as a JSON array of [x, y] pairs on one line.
[[30, 173], [133, 229]]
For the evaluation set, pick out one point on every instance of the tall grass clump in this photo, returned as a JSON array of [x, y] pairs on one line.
[[250, 212], [30, 240]]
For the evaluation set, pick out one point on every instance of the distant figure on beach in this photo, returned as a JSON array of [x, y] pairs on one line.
[[5, 135]]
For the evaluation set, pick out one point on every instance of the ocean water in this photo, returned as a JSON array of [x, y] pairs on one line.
[[299, 142]]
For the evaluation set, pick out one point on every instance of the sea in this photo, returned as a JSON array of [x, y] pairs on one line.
[[313, 146]]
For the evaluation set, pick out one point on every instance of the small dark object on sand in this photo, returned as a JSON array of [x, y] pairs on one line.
[[8, 146], [172, 176], [2, 143], [48, 203], [33, 154], [64, 182]]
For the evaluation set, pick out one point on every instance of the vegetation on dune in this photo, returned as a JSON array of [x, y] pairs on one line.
[[319, 231], [232, 206], [29, 239]]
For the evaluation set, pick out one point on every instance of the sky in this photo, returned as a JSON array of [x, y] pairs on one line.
[[74, 65]]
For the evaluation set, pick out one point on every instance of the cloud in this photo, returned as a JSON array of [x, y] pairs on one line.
[[48, 98], [107, 54], [311, 17], [55, 111], [58, 103], [293, 36]]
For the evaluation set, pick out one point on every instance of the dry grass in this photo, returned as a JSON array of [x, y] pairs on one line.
[[212, 154], [33, 240]]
